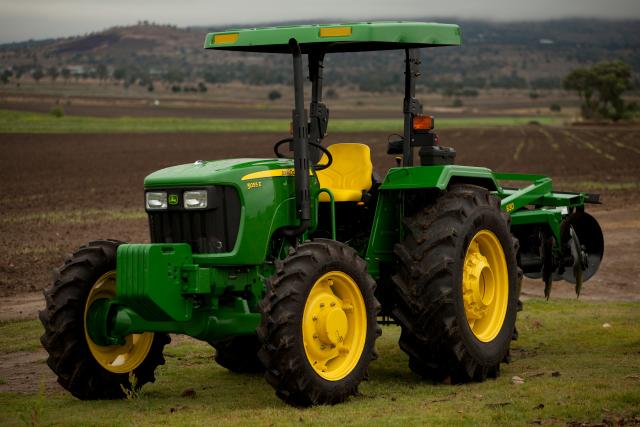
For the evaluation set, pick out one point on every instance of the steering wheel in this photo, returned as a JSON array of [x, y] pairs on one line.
[[317, 167]]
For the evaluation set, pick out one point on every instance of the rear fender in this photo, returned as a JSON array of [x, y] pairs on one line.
[[440, 177], [386, 230]]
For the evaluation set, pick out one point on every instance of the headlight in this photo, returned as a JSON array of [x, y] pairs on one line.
[[156, 200], [195, 199]]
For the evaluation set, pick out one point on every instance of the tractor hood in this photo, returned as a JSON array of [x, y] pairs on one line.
[[230, 171]]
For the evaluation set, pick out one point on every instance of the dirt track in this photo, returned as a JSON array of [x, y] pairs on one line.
[[59, 191]]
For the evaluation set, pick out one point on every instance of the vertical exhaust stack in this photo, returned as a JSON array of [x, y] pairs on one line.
[[300, 144]]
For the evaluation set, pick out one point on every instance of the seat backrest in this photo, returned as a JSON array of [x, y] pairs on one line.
[[351, 169]]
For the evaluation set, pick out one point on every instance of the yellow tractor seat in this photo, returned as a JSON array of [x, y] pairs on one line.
[[349, 176]]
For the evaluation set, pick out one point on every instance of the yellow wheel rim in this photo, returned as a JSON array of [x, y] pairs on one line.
[[485, 285], [118, 359], [334, 325]]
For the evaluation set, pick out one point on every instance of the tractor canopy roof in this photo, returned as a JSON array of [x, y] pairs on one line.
[[362, 36]]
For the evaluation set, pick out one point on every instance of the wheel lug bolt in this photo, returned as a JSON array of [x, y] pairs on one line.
[[315, 318], [321, 305], [333, 304]]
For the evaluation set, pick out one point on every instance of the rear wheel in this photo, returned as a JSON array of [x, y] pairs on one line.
[[86, 369], [319, 324], [457, 287]]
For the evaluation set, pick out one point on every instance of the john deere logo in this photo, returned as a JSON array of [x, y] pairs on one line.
[[173, 199]]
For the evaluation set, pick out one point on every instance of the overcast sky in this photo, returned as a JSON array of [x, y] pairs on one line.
[[37, 19]]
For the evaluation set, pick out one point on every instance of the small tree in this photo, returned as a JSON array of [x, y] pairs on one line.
[[5, 76], [102, 72], [119, 73], [53, 73], [66, 74], [37, 74], [600, 88], [57, 111], [273, 95]]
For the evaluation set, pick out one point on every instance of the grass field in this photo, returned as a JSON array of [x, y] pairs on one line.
[[26, 122], [574, 371]]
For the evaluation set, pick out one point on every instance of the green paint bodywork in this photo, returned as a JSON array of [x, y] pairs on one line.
[[435, 177], [549, 208], [364, 36], [385, 232], [160, 289], [265, 208]]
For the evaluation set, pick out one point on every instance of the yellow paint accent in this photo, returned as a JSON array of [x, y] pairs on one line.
[[510, 207], [252, 185], [485, 285], [334, 325], [225, 38], [118, 359], [350, 173], [335, 31], [270, 174]]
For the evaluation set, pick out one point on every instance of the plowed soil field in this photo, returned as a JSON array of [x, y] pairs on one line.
[[62, 190]]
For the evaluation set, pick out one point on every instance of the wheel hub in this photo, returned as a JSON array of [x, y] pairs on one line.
[[332, 325], [478, 284]]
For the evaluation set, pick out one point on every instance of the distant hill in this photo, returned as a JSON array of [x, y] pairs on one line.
[[516, 54]]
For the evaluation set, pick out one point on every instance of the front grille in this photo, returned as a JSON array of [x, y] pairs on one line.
[[210, 230]]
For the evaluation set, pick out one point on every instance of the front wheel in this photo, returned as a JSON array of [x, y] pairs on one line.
[[86, 369], [319, 324], [457, 286]]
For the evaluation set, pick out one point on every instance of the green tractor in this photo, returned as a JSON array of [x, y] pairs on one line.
[[288, 265]]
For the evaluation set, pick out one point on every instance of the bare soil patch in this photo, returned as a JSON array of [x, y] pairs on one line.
[[21, 306], [26, 372]]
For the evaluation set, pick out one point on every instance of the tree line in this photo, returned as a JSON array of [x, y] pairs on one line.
[[256, 75]]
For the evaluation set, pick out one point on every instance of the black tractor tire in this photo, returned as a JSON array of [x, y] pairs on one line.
[[239, 354], [430, 307], [64, 338], [288, 367]]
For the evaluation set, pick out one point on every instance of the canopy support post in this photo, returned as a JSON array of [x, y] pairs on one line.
[[411, 105]]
